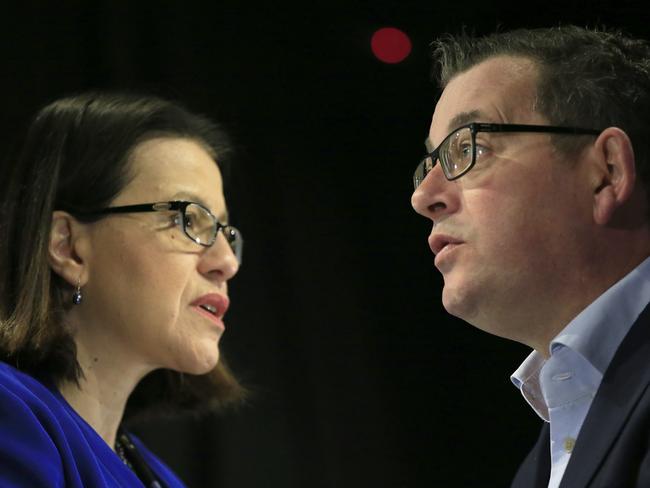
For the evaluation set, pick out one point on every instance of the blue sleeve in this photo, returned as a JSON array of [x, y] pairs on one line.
[[28, 456], [45, 444]]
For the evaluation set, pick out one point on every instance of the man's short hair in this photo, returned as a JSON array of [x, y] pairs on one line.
[[591, 78]]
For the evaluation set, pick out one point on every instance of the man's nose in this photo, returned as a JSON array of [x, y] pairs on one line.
[[434, 196]]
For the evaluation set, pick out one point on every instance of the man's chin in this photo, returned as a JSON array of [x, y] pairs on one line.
[[458, 302]]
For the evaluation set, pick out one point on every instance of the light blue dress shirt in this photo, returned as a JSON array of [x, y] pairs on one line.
[[561, 389]]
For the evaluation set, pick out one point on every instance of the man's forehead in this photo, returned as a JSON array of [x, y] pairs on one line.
[[500, 89]]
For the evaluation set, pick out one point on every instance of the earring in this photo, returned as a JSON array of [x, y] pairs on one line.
[[77, 296]]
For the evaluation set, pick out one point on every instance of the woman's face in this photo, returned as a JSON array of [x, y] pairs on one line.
[[146, 279]]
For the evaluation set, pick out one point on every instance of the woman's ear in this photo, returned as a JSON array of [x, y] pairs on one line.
[[615, 173], [67, 248]]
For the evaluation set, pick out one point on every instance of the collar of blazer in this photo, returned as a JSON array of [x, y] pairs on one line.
[[624, 384]]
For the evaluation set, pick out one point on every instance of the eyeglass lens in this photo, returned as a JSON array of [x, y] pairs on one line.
[[235, 240], [199, 225], [202, 227], [422, 170], [455, 154]]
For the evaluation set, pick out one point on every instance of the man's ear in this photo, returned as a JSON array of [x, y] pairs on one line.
[[67, 248], [614, 173]]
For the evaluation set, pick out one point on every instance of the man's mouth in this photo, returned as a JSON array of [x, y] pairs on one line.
[[439, 242]]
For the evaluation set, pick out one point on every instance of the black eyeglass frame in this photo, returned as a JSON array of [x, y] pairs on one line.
[[475, 128], [230, 232]]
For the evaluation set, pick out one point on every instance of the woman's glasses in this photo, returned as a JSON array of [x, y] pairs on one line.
[[197, 222]]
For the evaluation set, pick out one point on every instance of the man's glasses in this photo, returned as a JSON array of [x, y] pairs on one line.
[[457, 151], [197, 222]]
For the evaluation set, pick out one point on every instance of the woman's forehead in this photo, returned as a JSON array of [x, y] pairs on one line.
[[164, 167]]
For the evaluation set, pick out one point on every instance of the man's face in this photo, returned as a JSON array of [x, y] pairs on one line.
[[510, 235]]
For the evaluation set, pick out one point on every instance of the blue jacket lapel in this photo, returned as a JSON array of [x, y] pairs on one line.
[[623, 385], [535, 471]]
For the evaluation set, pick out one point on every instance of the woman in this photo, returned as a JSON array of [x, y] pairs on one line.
[[115, 258]]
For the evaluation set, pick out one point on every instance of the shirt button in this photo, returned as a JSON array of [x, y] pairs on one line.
[[569, 443], [562, 376]]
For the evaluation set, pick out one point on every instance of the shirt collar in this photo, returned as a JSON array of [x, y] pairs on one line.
[[595, 333], [599, 329], [526, 379]]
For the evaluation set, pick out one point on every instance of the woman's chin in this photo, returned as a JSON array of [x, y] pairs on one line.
[[196, 357], [203, 364]]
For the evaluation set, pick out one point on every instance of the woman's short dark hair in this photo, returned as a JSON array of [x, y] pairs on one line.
[[76, 157], [592, 78]]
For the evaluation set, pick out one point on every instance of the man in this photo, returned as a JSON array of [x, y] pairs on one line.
[[541, 232]]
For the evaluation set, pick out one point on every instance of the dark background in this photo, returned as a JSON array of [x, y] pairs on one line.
[[359, 378]]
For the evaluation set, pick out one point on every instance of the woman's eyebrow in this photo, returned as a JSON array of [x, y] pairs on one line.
[[193, 197]]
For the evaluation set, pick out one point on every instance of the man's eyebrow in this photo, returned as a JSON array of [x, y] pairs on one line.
[[464, 118]]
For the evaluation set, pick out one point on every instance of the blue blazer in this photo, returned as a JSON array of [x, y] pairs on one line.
[[613, 447], [45, 443]]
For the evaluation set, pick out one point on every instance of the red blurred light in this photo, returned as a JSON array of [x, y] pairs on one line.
[[390, 45]]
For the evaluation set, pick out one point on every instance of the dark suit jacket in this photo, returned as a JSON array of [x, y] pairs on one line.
[[613, 447]]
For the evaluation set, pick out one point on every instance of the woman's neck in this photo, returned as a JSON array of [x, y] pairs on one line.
[[103, 390]]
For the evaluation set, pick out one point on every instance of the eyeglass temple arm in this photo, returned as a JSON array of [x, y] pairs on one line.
[[482, 127], [142, 207]]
